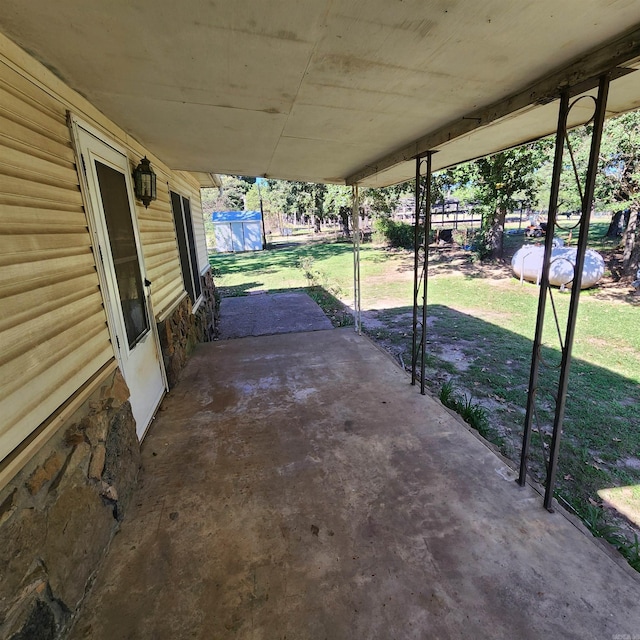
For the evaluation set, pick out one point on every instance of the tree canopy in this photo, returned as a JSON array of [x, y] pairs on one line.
[[619, 186], [499, 183]]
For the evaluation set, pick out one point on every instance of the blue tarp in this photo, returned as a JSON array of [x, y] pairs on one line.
[[236, 216]]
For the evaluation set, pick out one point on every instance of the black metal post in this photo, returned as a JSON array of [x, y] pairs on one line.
[[427, 231], [420, 268], [544, 285], [592, 169], [566, 340], [416, 275]]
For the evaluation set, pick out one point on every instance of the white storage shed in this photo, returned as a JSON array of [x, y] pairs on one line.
[[237, 230]]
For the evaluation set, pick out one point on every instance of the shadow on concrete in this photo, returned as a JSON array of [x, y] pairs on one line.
[[297, 486]]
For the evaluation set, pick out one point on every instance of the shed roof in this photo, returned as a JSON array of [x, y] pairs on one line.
[[236, 216], [330, 90]]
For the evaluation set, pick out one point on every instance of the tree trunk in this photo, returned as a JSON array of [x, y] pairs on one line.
[[631, 243], [344, 220], [494, 234], [619, 221], [316, 224]]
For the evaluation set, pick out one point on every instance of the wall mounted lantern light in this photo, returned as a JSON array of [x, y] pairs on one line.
[[144, 180]]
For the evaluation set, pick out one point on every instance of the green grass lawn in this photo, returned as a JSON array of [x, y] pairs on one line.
[[488, 323]]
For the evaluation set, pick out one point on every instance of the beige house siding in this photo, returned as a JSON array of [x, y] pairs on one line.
[[53, 331], [52, 323]]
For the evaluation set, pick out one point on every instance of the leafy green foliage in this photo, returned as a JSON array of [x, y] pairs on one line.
[[499, 183], [447, 395], [338, 203], [620, 181], [380, 203], [396, 234]]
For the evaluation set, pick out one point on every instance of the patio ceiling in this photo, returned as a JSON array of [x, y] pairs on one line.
[[329, 91]]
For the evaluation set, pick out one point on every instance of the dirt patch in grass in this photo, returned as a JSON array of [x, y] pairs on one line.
[[630, 463], [456, 356]]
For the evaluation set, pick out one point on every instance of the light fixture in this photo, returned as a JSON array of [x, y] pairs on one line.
[[144, 180]]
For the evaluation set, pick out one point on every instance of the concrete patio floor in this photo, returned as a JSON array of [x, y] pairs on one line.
[[261, 314], [296, 486]]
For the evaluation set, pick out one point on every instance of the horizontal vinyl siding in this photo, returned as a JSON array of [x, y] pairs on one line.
[[53, 331]]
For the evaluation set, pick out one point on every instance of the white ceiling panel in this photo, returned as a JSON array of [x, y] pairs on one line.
[[317, 89]]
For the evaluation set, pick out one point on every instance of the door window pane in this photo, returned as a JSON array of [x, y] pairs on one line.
[[117, 213]]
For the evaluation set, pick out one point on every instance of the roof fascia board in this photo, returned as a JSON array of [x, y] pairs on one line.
[[578, 74]]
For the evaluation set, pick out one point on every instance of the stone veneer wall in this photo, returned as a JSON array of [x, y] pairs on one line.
[[183, 329], [58, 515]]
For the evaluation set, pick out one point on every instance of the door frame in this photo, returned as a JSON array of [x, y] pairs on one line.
[[94, 218]]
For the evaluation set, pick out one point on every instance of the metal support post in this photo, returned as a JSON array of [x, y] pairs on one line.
[[416, 264], [544, 285], [422, 228], [355, 226], [559, 395]]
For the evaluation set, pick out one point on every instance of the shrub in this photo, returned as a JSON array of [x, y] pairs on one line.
[[396, 234]]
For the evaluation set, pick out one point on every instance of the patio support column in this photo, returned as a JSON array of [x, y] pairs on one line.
[[422, 228], [355, 225], [558, 391]]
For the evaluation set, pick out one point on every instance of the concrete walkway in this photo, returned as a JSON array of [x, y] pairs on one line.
[[296, 486], [264, 314]]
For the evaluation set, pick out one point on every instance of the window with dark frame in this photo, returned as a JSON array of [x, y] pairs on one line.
[[186, 245]]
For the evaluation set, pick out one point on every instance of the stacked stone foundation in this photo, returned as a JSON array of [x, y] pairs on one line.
[[183, 329], [59, 513]]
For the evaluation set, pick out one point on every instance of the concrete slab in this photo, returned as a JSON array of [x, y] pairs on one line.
[[266, 314], [297, 486]]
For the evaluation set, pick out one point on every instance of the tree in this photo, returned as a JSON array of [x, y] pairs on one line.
[[619, 184], [338, 202], [230, 196], [299, 198], [498, 183], [382, 202]]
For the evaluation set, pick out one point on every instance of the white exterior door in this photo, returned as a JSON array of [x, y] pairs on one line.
[[125, 288], [252, 236], [224, 239], [237, 234]]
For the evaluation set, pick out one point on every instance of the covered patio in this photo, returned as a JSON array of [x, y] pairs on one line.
[[296, 486], [293, 486]]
